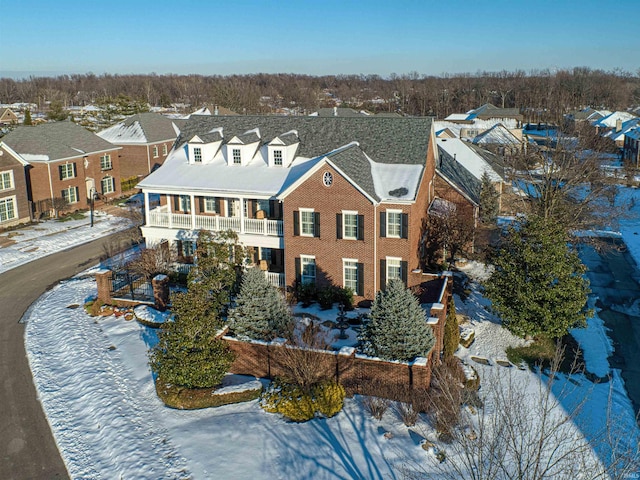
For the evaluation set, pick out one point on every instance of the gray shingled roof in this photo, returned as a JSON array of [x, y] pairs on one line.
[[385, 140], [450, 169], [57, 140], [289, 138], [353, 162], [495, 161], [155, 128], [339, 112]]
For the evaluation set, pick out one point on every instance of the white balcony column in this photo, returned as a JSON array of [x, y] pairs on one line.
[[192, 200], [169, 200], [146, 208], [242, 205]]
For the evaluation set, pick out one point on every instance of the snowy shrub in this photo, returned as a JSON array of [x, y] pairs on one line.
[[306, 293], [397, 327], [329, 398], [261, 312], [297, 405], [407, 413]]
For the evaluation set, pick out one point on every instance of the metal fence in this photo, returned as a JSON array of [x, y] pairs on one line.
[[125, 285]]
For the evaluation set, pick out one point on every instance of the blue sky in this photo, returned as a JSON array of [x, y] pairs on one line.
[[316, 37]]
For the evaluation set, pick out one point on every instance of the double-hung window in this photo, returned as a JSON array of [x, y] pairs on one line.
[[237, 159], [210, 205], [105, 162], [155, 152], [68, 170], [197, 155], [350, 274], [350, 225], [164, 149], [185, 203], [188, 248], [307, 218], [70, 195], [394, 268], [307, 269], [6, 180], [7, 209], [108, 185], [394, 223], [277, 158]]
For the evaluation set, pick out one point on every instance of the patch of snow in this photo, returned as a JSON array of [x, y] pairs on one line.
[[150, 314]]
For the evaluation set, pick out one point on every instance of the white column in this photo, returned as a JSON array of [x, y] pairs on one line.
[[169, 212], [146, 208], [242, 205], [192, 201]]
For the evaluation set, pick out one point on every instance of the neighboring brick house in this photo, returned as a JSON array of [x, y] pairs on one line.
[[14, 199], [339, 200], [631, 148], [459, 167], [66, 163], [146, 140]]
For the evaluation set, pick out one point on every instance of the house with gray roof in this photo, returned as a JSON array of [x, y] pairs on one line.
[[67, 165], [145, 140], [324, 200]]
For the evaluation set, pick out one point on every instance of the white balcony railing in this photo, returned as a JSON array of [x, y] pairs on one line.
[[163, 219], [275, 279]]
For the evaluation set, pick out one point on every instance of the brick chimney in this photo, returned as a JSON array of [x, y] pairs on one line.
[[618, 125]]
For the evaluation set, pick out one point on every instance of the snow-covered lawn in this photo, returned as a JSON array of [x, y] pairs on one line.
[[97, 391], [35, 241]]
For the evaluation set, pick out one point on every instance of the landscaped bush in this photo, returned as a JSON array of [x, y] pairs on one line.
[[329, 398], [306, 293], [326, 297], [195, 398], [295, 404], [376, 406]]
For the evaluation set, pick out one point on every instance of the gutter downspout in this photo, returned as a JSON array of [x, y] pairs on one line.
[[148, 161], [375, 249], [51, 189]]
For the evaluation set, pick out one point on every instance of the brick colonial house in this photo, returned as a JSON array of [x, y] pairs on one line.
[[14, 201], [323, 200], [64, 164], [145, 140]]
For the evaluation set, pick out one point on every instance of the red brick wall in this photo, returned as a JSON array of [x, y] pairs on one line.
[[138, 160], [23, 213], [328, 250], [39, 177]]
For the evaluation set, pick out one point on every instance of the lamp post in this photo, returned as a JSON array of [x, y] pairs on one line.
[[92, 196]]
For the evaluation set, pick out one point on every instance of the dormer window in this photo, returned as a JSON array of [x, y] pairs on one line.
[[197, 155], [277, 158], [237, 159]]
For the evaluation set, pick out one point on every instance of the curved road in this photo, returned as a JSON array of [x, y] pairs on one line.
[[27, 447]]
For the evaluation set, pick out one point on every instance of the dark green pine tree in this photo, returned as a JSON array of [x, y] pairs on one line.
[[397, 327], [538, 286], [489, 200], [188, 353], [56, 112], [260, 312], [27, 118]]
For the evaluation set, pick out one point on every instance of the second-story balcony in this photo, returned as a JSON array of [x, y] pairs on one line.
[[161, 217]]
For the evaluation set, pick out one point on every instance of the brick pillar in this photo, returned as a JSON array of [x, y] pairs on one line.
[[104, 280], [421, 372], [160, 285]]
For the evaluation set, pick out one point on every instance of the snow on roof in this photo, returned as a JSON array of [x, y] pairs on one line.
[[481, 125], [458, 116], [610, 120], [466, 157], [256, 177], [123, 133], [402, 180], [497, 134], [34, 157]]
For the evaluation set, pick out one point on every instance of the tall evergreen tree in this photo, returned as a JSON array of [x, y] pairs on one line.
[[260, 312], [27, 118], [56, 112], [397, 327], [489, 200], [451, 331], [538, 285], [188, 353]]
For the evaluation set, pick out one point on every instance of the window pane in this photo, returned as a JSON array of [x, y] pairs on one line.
[[306, 221], [351, 275], [277, 157], [5, 181], [394, 224], [236, 156], [210, 204], [308, 270], [197, 155], [350, 222], [394, 269]]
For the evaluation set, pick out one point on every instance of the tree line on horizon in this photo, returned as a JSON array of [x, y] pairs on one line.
[[541, 95]]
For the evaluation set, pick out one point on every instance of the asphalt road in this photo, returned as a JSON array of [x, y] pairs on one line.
[[27, 448]]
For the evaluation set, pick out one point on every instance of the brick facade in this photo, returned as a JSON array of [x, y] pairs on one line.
[[46, 182], [372, 250], [16, 193], [139, 160]]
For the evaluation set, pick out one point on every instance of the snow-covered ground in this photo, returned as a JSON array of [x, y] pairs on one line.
[[25, 244], [97, 392]]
